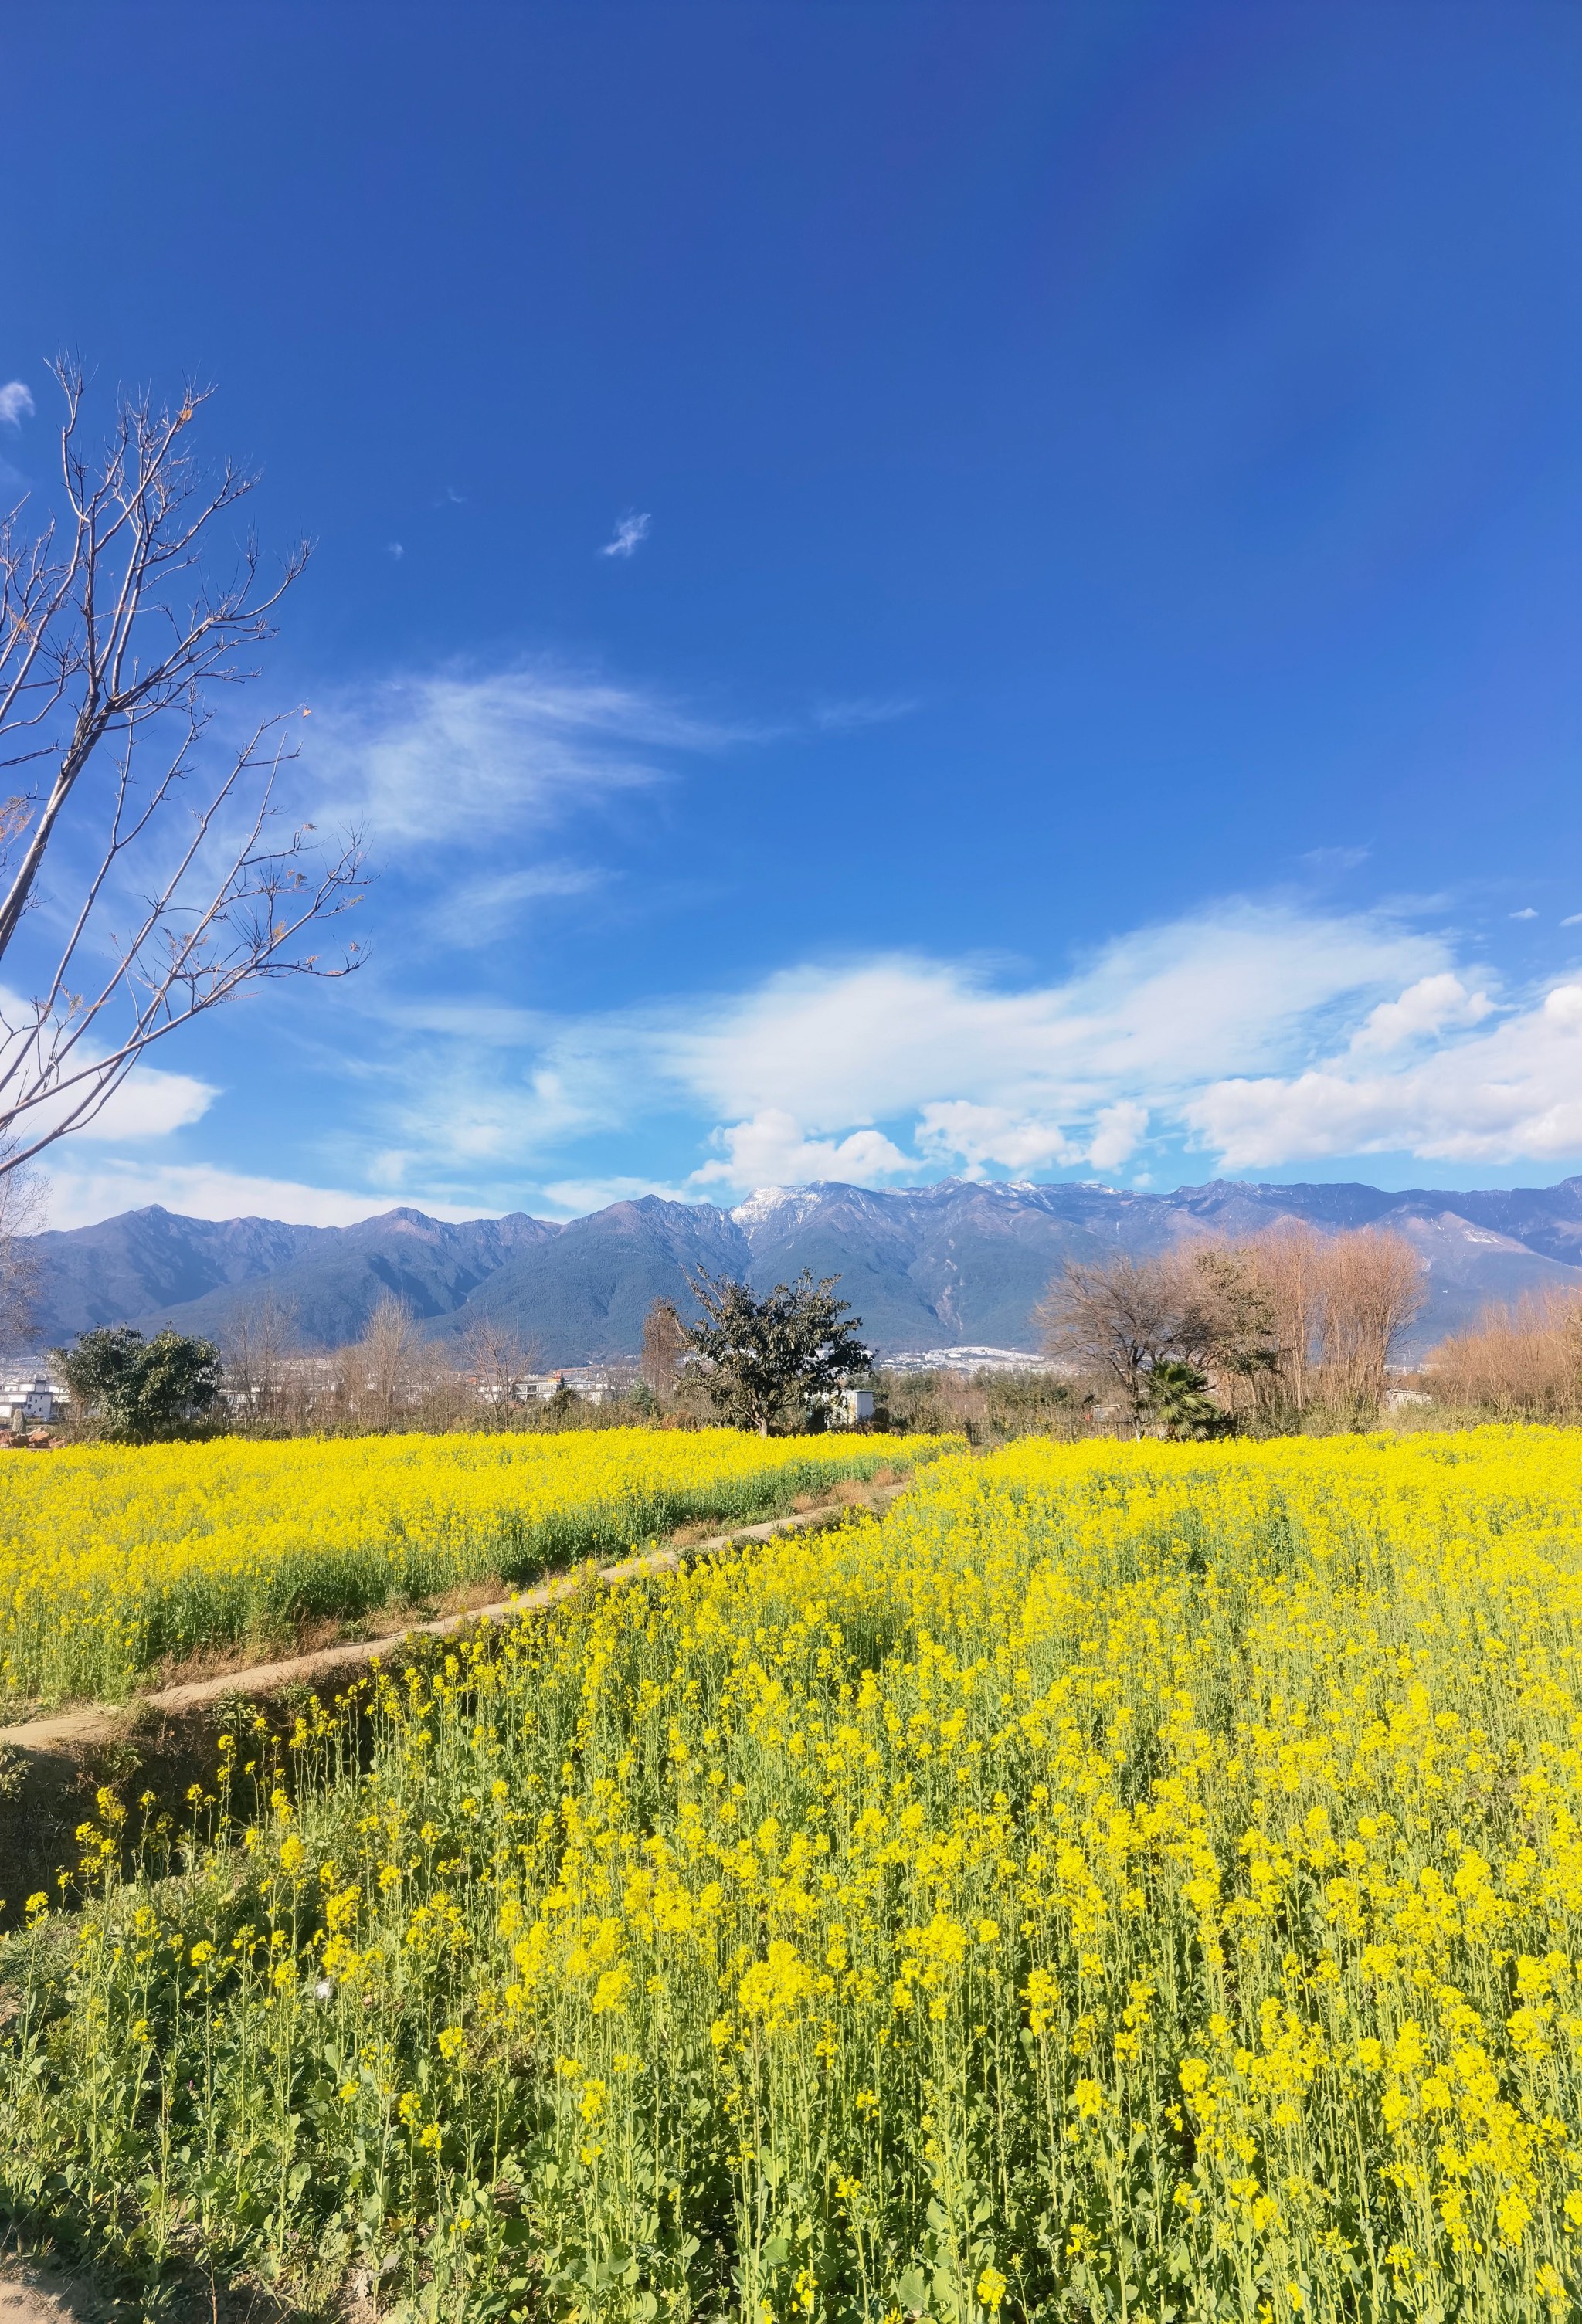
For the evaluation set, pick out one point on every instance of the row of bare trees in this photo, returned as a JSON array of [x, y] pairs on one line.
[[1520, 1360], [393, 1377], [1213, 1332]]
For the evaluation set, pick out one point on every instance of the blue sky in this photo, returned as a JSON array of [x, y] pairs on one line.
[[899, 588]]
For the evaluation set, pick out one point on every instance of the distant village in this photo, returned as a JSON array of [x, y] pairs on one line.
[[33, 1402]]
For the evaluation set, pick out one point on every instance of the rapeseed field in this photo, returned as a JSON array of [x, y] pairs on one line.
[[114, 1561], [1128, 1881]]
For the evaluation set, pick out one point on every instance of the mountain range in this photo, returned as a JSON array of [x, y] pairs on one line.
[[962, 1263]]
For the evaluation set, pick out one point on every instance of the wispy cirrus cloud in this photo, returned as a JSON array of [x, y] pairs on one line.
[[474, 912], [850, 717], [16, 402], [631, 531], [1335, 859], [456, 758]]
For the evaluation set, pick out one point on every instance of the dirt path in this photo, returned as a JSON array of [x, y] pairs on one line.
[[98, 1722], [32, 2294]]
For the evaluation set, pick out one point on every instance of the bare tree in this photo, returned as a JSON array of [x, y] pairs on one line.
[[498, 1360], [1278, 1324], [1373, 1295], [1113, 1319], [378, 1374], [665, 1348], [23, 1194], [1523, 1360], [113, 637], [256, 1348], [1294, 1262]]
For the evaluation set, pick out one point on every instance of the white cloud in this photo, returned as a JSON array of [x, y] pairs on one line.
[[1161, 1009], [955, 1134], [1510, 1093], [630, 532], [150, 1103], [1526, 913], [459, 759], [1262, 1035], [1120, 1130], [16, 402], [1501, 1095], [1431, 1006], [900, 1066], [770, 1150], [78, 1197]]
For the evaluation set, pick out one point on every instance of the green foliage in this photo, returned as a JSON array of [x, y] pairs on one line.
[[562, 1405], [1175, 1399], [772, 1363], [142, 1391]]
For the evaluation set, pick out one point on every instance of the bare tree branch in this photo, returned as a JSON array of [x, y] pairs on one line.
[[112, 636]]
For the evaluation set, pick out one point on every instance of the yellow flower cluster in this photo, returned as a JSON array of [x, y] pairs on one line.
[[1129, 1880], [114, 1560]]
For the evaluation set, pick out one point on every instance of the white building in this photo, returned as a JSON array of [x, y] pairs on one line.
[[30, 1400], [594, 1383], [852, 1405]]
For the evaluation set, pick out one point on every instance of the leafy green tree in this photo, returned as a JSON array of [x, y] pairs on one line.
[[769, 1364], [142, 1391]]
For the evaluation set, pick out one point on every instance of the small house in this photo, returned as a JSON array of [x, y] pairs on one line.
[[851, 1405], [31, 1401]]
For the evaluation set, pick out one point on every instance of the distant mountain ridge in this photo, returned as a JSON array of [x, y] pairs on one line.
[[961, 1263]]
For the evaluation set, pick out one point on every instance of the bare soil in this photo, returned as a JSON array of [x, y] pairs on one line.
[[32, 2294]]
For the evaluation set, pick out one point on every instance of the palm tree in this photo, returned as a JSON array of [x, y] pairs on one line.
[[1175, 1397]]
